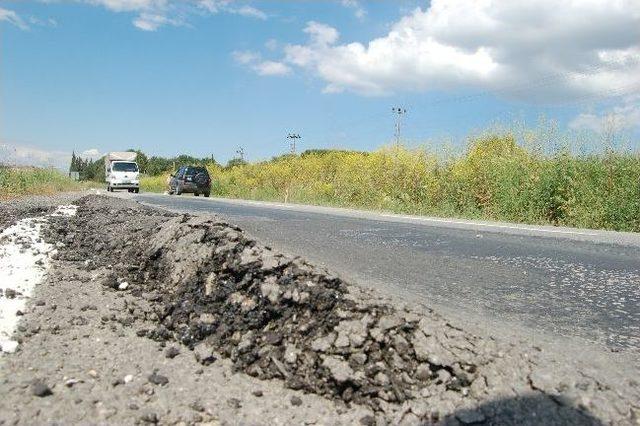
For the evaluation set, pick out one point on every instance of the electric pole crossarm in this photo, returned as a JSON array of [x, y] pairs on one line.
[[292, 137], [399, 112], [240, 152]]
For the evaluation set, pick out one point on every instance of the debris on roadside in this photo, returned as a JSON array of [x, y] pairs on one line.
[[222, 294], [40, 389], [158, 379]]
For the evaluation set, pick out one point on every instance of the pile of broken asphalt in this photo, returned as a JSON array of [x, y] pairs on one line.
[[220, 293]]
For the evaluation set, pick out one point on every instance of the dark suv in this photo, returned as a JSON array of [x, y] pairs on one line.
[[190, 179]]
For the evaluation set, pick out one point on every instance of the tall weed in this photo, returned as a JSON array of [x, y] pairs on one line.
[[494, 178]]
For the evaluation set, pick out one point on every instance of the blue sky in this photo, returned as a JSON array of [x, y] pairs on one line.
[[204, 77]]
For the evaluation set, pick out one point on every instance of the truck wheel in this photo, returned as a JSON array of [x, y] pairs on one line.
[[195, 194], [206, 194], [178, 190], [137, 190]]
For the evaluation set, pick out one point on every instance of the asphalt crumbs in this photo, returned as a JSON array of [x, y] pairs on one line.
[[546, 283]]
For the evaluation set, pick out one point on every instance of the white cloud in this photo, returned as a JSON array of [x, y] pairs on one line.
[[17, 154], [272, 68], [153, 14], [152, 21], [211, 6], [321, 34], [538, 51], [12, 17], [619, 118], [50, 22], [271, 44], [245, 57], [250, 12], [130, 5], [359, 11], [25, 155], [254, 61], [93, 153]]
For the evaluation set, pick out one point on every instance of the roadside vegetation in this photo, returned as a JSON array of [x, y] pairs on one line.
[[528, 177], [154, 183], [17, 181], [495, 178]]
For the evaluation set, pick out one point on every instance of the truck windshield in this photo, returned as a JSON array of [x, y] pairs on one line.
[[124, 167]]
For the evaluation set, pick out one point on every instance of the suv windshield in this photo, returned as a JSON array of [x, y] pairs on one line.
[[192, 171], [124, 167]]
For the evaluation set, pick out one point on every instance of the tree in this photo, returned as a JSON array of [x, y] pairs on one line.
[[141, 159], [73, 167], [235, 162]]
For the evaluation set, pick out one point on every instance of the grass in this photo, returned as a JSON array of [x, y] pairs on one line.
[[495, 178], [18, 181], [154, 183]]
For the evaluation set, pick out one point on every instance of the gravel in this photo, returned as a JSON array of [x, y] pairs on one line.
[[158, 379], [20, 208], [172, 352], [40, 389], [319, 347]]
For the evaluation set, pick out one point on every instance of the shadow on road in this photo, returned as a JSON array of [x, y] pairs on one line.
[[540, 409]]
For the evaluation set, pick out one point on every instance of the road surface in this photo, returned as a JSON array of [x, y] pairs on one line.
[[560, 282]]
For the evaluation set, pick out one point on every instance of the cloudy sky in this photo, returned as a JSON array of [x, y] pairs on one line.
[[207, 76]]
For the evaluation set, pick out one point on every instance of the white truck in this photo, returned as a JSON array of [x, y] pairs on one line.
[[121, 171]]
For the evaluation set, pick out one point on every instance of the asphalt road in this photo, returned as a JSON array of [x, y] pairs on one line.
[[560, 282]]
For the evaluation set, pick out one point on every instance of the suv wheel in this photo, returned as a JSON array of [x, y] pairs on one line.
[[206, 194], [178, 190]]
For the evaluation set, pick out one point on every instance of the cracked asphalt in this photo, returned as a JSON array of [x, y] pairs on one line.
[[544, 281]]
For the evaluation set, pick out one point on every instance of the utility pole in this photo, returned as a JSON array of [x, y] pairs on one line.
[[292, 141], [399, 112], [240, 152]]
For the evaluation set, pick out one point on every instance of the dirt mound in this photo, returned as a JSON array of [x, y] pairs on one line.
[[279, 317]]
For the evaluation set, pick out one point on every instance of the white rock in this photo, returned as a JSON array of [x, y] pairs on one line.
[[271, 290], [339, 368], [123, 285], [9, 346], [291, 353]]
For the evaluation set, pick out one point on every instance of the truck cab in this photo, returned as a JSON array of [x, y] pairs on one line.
[[122, 174]]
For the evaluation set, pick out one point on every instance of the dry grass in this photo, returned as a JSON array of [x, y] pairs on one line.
[[19, 181]]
